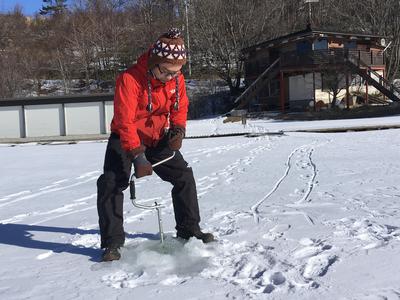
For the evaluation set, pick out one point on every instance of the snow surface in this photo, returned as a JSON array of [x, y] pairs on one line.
[[297, 216]]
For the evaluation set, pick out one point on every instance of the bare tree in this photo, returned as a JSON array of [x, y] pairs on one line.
[[153, 17], [99, 38], [11, 75], [221, 30], [374, 16], [334, 81], [110, 36], [13, 29]]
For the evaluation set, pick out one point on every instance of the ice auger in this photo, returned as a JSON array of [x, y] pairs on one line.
[[155, 206]]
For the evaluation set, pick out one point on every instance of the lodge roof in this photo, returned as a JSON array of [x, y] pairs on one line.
[[312, 32]]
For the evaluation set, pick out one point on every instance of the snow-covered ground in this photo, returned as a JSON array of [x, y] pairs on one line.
[[216, 126], [297, 216]]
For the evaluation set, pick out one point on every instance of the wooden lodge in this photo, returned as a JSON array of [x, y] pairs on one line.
[[311, 69]]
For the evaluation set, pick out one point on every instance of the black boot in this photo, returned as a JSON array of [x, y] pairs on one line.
[[110, 254], [206, 237]]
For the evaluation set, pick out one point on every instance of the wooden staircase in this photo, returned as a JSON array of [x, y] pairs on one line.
[[377, 100], [379, 82], [254, 88]]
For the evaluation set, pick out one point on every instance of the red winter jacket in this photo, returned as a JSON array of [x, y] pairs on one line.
[[131, 121]]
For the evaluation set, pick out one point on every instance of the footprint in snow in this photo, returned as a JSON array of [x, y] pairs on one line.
[[315, 256], [378, 294], [318, 265], [277, 278], [229, 180], [276, 232], [372, 234]]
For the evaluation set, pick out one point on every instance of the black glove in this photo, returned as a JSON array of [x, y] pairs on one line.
[[142, 166], [175, 137]]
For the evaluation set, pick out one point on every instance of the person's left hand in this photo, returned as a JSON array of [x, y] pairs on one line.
[[176, 136]]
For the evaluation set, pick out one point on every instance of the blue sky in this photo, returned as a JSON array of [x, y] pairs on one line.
[[29, 6]]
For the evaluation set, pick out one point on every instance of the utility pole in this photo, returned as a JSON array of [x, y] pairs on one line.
[[186, 2]]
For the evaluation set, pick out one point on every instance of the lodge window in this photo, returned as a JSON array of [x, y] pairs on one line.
[[303, 47], [321, 44]]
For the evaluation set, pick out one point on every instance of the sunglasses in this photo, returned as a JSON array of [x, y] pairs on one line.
[[168, 73]]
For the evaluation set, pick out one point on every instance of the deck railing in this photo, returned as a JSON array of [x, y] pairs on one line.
[[331, 57]]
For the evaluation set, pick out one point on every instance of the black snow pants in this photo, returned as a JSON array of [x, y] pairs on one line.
[[115, 179]]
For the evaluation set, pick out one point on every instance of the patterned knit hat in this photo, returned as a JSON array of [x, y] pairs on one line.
[[169, 48]]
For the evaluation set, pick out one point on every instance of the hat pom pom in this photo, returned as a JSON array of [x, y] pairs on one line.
[[173, 33]]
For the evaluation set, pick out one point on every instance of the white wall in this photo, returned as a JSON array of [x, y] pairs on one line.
[[84, 118], [301, 87], [40, 120], [11, 122], [43, 120], [109, 113]]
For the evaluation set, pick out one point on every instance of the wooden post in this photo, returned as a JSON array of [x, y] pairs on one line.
[[282, 90], [347, 90], [383, 75], [103, 123], [366, 89], [24, 128], [63, 121], [269, 88], [244, 119], [314, 89]]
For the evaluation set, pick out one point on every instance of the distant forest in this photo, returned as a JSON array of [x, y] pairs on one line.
[[97, 39]]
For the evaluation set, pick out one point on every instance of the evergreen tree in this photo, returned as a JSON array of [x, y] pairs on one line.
[[53, 7]]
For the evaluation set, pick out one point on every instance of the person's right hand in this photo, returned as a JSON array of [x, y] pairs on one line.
[[142, 166], [133, 153]]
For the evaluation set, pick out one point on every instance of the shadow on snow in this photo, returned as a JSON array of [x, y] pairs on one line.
[[20, 235]]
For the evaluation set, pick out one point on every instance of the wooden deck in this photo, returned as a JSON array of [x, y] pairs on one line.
[[328, 57]]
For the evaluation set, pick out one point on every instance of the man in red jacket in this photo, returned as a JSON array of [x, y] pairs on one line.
[[150, 112]]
